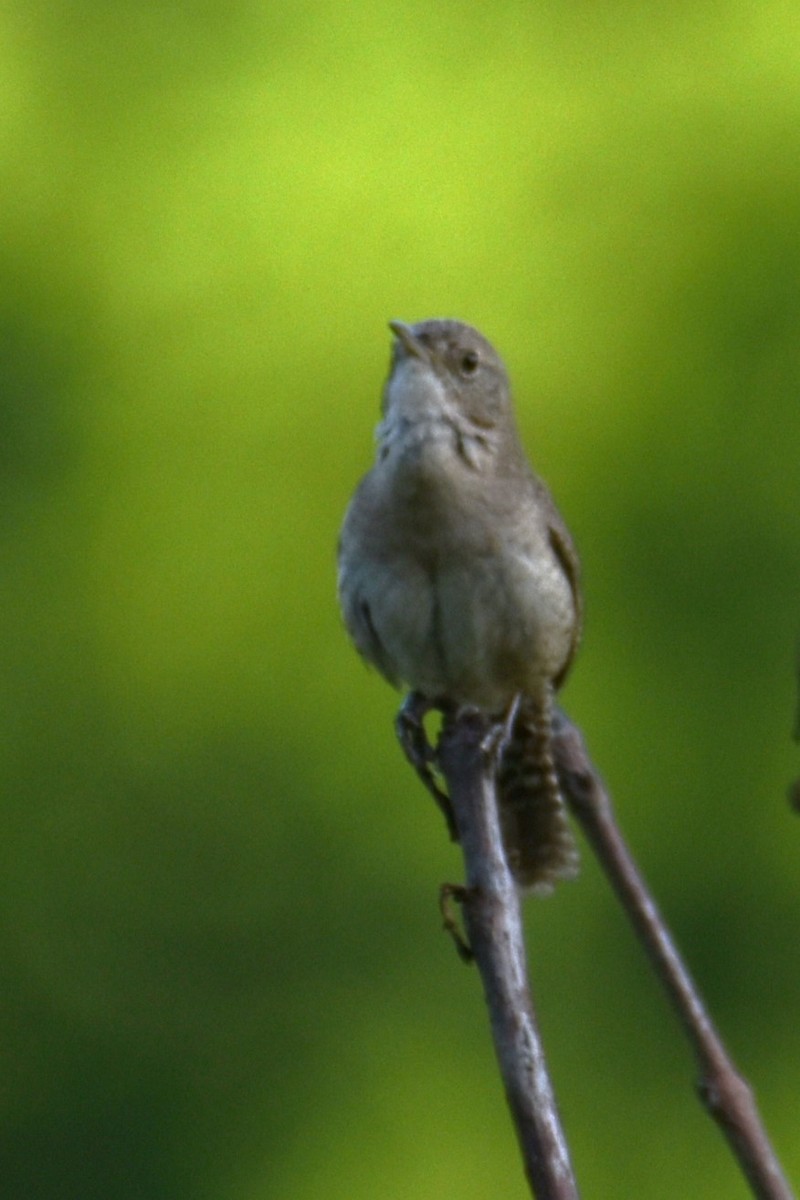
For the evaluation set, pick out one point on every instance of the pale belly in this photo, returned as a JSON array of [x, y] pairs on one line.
[[475, 632]]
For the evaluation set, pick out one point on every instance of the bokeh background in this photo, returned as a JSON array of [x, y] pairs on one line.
[[223, 975]]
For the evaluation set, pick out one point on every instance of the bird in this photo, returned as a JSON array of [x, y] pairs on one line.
[[458, 578]]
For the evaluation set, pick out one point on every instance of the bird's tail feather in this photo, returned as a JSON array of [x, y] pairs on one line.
[[539, 842]]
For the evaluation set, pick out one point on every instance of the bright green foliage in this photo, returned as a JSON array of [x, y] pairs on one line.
[[223, 976]]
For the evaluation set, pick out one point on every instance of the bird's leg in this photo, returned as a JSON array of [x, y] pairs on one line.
[[410, 729], [447, 893]]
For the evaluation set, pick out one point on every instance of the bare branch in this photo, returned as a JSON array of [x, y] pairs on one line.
[[724, 1092], [493, 924]]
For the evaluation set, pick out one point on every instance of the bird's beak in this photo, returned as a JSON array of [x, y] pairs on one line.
[[409, 341]]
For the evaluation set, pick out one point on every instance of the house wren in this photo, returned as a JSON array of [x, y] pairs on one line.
[[458, 576]]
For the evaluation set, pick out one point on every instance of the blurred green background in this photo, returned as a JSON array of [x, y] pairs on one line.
[[223, 972]]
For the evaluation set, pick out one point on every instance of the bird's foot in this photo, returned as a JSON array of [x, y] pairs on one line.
[[411, 733], [448, 893]]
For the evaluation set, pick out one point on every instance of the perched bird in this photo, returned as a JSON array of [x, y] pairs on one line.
[[458, 577]]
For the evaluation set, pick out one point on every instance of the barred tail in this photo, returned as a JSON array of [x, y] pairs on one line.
[[539, 842]]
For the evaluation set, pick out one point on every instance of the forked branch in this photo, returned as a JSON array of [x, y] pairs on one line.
[[493, 925]]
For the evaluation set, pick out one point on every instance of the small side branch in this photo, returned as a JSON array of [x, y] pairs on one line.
[[492, 920], [724, 1092]]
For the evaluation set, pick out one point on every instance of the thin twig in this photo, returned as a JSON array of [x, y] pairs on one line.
[[490, 904], [724, 1092]]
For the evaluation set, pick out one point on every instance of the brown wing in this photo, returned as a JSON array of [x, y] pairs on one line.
[[567, 555]]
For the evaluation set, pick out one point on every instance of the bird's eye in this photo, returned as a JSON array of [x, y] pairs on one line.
[[469, 363]]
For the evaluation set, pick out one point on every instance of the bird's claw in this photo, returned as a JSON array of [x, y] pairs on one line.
[[496, 740]]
